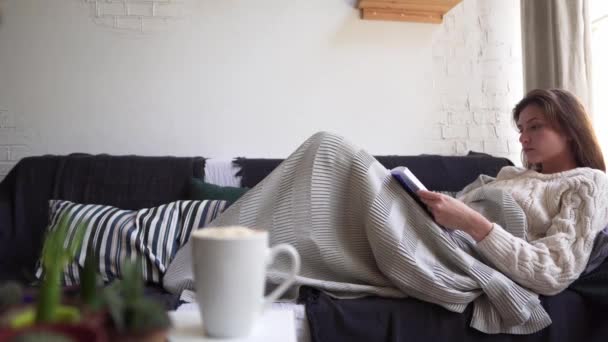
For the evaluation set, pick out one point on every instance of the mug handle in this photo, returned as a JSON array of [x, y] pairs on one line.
[[295, 269]]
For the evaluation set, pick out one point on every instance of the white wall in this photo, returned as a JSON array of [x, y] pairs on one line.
[[225, 78], [478, 77]]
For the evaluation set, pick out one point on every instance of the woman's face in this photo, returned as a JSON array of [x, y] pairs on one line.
[[542, 143]]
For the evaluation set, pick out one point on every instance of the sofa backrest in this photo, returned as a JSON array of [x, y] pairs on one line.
[[439, 173], [126, 182]]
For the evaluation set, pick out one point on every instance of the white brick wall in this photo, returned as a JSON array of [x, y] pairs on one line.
[[13, 142], [4, 154], [145, 9], [136, 15], [464, 86], [477, 74], [7, 120]]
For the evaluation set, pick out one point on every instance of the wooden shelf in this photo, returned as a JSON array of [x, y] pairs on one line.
[[423, 11]]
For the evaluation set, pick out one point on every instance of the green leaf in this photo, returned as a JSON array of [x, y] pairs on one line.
[[54, 258], [49, 295], [146, 315], [115, 305], [130, 310], [89, 282], [23, 318], [132, 284]]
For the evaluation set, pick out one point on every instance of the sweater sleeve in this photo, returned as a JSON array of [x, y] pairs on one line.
[[549, 264]]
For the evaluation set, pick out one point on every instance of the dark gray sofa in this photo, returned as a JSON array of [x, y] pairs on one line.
[[135, 182]]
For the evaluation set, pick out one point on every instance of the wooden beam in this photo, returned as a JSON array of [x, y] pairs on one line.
[[426, 11], [404, 15]]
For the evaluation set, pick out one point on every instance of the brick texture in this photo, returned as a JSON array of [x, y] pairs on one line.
[[136, 15], [13, 142], [5, 168], [478, 79], [17, 152]]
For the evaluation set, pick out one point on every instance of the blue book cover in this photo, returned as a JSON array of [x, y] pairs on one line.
[[407, 179]]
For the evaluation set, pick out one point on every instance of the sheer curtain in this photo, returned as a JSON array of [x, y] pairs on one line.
[[599, 46], [556, 36]]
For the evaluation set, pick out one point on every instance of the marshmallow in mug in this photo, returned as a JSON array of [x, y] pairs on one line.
[[227, 232]]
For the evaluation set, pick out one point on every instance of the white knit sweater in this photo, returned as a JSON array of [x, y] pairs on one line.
[[565, 211]]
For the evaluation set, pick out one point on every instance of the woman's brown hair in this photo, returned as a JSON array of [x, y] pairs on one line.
[[566, 113]]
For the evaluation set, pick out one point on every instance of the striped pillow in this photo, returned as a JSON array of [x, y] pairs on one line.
[[116, 235]]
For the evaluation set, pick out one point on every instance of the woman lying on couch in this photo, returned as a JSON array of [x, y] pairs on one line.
[[358, 233], [563, 191]]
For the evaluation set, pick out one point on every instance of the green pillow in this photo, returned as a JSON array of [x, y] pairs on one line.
[[199, 190]]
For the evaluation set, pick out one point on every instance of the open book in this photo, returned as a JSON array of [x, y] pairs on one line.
[[407, 179], [411, 184]]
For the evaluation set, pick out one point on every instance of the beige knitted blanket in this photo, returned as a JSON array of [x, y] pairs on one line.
[[359, 233]]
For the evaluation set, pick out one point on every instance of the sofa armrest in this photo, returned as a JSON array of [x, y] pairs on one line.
[[6, 229]]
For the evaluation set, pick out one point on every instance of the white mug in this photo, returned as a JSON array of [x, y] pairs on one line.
[[229, 266]]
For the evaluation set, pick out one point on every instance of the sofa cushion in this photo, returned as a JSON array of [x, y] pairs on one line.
[[200, 190], [115, 235]]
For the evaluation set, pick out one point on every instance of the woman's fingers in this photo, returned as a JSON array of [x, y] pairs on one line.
[[427, 201], [430, 199], [428, 195]]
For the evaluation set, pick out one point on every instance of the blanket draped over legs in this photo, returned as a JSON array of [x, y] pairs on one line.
[[359, 233]]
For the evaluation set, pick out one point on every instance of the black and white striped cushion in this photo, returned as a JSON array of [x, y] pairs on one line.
[[153, 234]]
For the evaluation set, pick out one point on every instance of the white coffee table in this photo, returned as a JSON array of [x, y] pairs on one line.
[[274, 325]]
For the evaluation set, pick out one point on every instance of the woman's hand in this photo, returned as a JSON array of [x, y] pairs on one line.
[[454, 214]]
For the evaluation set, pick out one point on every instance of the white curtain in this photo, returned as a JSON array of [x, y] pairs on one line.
[[599, 47], [556, 37]]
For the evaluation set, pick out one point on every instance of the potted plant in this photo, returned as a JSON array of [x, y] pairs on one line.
[[133, 316], [120, 312], [49, 318]]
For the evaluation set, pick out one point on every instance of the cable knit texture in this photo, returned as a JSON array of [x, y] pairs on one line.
[[565, 212]]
